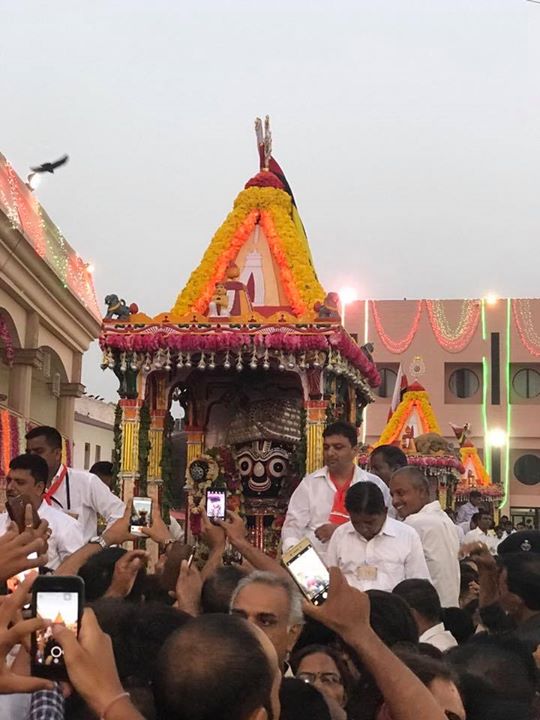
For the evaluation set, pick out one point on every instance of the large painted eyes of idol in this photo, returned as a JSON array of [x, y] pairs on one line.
[[245, 466], [277, 467]]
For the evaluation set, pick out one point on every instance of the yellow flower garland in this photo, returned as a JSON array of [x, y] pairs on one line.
[[395, 425], [230, 237], [480, 471]]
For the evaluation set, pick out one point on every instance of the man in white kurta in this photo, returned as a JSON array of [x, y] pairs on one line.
[[317, 506], [77, 493], [410, 495], [26, 479], [373, 551]]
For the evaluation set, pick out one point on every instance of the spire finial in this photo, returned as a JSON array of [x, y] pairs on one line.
[[264, 141]]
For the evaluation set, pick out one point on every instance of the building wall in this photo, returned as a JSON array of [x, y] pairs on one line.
[[93, 437], [519, 418]]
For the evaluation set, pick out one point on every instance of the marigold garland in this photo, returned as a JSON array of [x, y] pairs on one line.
[[521, 309], [471, 453], [397, 346], [249, 206], [458, 339], [394, 427]]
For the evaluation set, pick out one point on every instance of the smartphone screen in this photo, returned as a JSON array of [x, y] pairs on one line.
[[216, 504], [310, 574], [60, 600], [141, 515]]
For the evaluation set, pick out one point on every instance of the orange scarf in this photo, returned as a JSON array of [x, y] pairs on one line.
[[338, 514]]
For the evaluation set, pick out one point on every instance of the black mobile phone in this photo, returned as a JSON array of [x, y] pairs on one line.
[[308, 571], [216, 504], [141, 515], [60, 600]]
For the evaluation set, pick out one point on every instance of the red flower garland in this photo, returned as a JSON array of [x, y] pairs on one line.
[[397, 346], [5, 338], [457, 341]]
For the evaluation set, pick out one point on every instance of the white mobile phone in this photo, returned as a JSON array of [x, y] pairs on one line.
[[308, 571], [141, 515]]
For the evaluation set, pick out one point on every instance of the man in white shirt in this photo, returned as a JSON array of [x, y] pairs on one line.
[[482, 532], [26, 479], [467, 510], [410, 495], [76, 492], [423, 600], [373, 551], [317, 506]]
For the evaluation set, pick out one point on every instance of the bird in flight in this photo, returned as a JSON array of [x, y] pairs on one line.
[[50, 167]]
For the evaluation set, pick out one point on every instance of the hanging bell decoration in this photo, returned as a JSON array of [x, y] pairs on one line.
[[227, 361], [202, 363], [281, 365], [147, 367], [104, 361], [188, 360], [167, 365], [212, 363], [239, 365], [123, 363], [180, 361], [266, 361], [134, 364], [111, 359]]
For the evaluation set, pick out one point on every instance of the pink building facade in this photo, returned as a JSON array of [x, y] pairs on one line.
[[480, 363]]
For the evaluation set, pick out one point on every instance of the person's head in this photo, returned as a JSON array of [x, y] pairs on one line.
[[459, 623], [365, 504], [340, 446], [503, 519], [27, 475], [497, 677], [300, 701], [519, 584], [47, 442], [482, 520], [475, 498], [423, 600], [217, 666], [325, 668], [104, 470], [385, 460], [218, 589], [520, 526], [97, 573], [439, 679], [272, 603], [391, 618], [409, 488]]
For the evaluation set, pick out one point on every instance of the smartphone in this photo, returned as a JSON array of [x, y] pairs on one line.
[[16, 509], [308, 571], [61, 600], [141, 515], [216, 504]]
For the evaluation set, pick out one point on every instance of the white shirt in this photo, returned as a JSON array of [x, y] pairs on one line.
[[460, 534], [441, 547], [438, 637], [66, 535], [477, 535], [311, 504], [465, 513], [88, 496], [395, 554]]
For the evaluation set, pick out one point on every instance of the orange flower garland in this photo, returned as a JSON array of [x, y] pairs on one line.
[[471, 453], [395, 425]]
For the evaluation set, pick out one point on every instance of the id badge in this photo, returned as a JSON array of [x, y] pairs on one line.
[[366, 572], [72, 514]]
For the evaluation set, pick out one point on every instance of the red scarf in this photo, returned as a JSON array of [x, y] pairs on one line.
[[58, 480], [338, 514]]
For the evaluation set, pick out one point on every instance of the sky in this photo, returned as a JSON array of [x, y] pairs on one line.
[[409, 131]]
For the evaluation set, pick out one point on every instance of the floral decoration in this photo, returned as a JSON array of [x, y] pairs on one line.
[[397, 346], [418, 399], [6, 340], [458, 339], [521, 309]]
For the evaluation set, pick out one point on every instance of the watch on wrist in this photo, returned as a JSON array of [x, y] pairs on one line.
[[98, 540]]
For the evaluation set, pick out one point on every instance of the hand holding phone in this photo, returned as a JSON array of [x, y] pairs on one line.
[[60, 600], [216, 504], [308, 571], [141, 515]]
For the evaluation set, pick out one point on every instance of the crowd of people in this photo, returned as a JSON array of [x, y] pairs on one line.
[[428, 615]]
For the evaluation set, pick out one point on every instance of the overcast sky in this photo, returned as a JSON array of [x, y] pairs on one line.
[[409, 131]]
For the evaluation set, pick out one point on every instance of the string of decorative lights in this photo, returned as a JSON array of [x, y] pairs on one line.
[[458, 339], [26, 215], [397, 346], [524, 322]]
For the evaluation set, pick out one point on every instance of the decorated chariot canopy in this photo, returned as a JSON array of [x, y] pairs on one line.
[[255, 352], [454, 471]]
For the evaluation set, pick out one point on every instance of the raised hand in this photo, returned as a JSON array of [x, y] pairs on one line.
[[15, 548], [158, 531], [125, 573]]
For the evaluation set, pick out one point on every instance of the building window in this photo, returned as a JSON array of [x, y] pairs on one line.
[[98, 453], [527, 469], [388, 382], [526, 383], [86, 456], [464, 383]]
